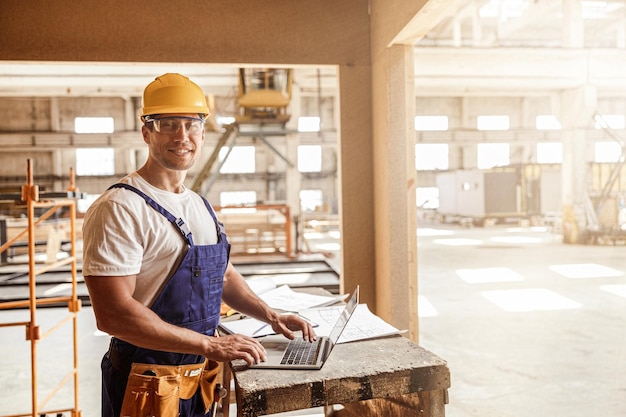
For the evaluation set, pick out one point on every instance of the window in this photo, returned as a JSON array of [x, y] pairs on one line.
[[598, 9], [549, 153], [95, 161], [503, 9], [493, 155], [94, 125], [547, 122], [237, 198], [427, 197], [609, 121], [224, 120], [424, 123], [431, 156], [310, 158], [239, 160], [607, 151], [308, 124], [492, 123], [311, 200]]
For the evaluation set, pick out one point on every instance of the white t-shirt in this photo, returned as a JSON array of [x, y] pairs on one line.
[[123, 235]]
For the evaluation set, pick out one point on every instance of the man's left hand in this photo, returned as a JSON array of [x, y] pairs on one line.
[[286, 324]]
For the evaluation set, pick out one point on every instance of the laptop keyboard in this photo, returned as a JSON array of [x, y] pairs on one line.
[[300, 352]]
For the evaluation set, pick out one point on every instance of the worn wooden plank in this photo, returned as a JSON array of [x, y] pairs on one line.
[[380, 368]]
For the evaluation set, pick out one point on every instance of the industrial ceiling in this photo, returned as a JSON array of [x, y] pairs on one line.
[[493, 47]]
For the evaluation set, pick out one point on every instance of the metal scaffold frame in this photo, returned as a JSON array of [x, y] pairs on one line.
[[30, 197]]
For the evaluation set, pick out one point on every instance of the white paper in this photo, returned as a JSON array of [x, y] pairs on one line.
[[251, 327], [247, 327], [362, 325], [285, 299]]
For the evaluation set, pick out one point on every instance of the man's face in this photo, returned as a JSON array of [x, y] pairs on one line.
[[175, 140]]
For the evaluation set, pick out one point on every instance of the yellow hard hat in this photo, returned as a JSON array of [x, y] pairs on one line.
[[173, 93]]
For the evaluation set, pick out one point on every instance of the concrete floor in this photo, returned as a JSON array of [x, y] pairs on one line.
[[529, 327]]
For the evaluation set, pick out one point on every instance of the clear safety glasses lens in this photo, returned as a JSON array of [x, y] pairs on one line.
[[172, 125]]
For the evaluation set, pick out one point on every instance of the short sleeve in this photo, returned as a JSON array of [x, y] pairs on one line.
[[112, 242]]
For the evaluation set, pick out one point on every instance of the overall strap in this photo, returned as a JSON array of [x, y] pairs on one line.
[[221, 230], [177, 222]]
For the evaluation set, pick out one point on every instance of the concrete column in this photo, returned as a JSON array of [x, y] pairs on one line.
[[293, 178], [131, 116], [55, 119], [466, 121], [356, 182], [394, 187], [57, 170], [573, 25], [128, 158], [293, 181], [295, 108], [577, 110]]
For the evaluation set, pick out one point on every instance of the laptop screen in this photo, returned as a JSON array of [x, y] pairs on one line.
[[345, 315]]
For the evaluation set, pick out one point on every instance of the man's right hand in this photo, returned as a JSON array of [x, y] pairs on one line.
[[236, 346]]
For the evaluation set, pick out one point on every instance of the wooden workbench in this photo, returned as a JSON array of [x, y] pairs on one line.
[[388, 377]]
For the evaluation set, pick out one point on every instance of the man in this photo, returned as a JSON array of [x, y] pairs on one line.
[[156, 264]]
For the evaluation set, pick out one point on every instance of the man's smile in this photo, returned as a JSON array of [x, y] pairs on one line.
[[182, 151]]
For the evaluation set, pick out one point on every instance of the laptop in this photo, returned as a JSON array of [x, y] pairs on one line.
[[283, 353]]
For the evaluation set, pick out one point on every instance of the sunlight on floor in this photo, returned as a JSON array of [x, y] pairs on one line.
[[585, 271], [458, 242], [482, 275], [617, 289], [515, 239], [433, 232], [530, 299]]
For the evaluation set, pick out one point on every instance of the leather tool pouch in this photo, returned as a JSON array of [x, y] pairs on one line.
[[208, 383], [155, 390]]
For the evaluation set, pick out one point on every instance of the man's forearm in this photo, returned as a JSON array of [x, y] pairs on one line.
[[238, 295]]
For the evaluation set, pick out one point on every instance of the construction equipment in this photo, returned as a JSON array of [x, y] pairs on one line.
[[263, 97], [607, 189], [264, 94], [205, 172], [602, 211]]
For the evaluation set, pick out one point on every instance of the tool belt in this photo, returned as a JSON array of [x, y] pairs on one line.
[[156, 390]]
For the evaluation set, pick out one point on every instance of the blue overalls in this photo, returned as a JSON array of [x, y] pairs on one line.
[[191, 298]]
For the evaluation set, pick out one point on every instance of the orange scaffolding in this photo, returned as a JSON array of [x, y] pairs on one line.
[[30, 197], [258, 229]]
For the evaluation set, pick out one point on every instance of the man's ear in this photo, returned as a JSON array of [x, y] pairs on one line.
[[145, 132]]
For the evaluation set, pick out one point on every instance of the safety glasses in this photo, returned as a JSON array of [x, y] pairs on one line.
[[172, 125]]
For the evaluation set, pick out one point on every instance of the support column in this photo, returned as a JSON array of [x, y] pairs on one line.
[[293, 181], [293, 177], [56, 158], [356, 182], [573, 25], [55, 119], [394, 187], [577, 110]]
